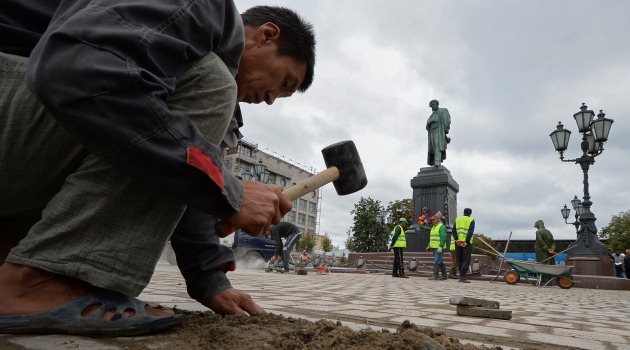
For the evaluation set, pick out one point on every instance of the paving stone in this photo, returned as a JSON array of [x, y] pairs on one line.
[[483, 312], [466, 301], [577, 318], [575, 343]]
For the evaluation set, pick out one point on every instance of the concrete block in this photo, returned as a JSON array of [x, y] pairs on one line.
[[483, 312], [466, 301]]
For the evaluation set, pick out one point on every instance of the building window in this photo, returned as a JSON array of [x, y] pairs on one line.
[[303, 204], [283, 182], [272, 179], [301, 219], [291, 216], [311, 221], [244, 150], [295, 203], [312, 207]]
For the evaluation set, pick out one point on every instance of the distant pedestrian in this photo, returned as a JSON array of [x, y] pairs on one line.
[[454, 262], [292, 234], [618, 259], [463, 234], [626, 263], [399, 244], [437, 243], [545, 244]]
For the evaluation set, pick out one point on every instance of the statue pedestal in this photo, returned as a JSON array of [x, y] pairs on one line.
[[591, 265], [434, 188]]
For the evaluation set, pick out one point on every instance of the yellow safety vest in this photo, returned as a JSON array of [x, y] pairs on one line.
[[400, 241], [462, 224], [434, 238]]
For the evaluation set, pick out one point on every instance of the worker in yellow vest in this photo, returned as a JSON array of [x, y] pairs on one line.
[[454, 262], [437, 243], [463, 234], [399, 244]]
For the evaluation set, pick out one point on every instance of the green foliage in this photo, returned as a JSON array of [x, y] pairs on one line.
[[617, 231], [349, 241], [401, 209], [367, 235], [477, 245], [327, 244], [307, 242]]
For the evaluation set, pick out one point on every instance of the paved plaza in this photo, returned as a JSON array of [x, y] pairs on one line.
[[544, 318]]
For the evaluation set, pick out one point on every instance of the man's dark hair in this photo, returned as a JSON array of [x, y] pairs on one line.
[[467, 211], [297, 38]]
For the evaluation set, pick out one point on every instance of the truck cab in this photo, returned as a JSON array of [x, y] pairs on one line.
[[252, 250]]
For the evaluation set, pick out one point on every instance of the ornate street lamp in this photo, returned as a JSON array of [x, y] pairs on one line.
[[577, 206], [381, 220], [260, 173], [594, 135], [247, 175]]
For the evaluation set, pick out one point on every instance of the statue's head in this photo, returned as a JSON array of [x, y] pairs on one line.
[[434, 104]]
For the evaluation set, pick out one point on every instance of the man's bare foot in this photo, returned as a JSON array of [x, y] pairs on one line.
[[25, 290]]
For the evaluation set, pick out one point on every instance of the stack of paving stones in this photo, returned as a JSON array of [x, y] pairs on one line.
[[479, 308], [300, 268]]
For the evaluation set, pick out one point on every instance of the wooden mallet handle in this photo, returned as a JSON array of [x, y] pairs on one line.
[[224, 229]]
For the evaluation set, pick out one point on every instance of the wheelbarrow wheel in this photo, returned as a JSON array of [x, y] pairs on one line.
[[511, 277], [564, 281]]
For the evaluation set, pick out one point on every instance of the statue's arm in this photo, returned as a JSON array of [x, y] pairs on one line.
[[447, 121]]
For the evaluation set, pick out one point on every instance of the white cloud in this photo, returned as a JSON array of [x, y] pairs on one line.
[[508, 71]]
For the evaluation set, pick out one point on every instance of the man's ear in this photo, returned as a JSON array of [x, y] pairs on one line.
[[267, 33]]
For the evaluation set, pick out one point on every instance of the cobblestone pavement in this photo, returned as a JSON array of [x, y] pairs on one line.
[[547, 317]]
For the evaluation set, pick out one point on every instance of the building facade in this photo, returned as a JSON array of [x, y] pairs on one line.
[[249, 163]]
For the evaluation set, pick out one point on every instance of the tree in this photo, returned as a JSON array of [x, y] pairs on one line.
[[617, 231], [401, 209], [368, 235], [307, 242], [350, 242], [327, 244]]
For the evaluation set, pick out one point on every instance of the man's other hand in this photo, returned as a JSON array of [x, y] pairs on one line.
[[234, 302]]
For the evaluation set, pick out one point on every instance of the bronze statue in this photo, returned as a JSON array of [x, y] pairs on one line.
[[438, 125]]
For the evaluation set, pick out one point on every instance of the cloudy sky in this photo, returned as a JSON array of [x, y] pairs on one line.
[[507, 71]]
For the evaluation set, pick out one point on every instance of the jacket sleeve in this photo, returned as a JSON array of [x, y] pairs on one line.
[[105, 69], [454, 231], [471, 230], [395, 236], [443, 236], [202, 260]]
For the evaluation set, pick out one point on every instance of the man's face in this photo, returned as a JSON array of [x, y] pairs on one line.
[[433, 105], [264, 76]]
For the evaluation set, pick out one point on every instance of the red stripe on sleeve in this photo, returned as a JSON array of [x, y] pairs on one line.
[[201, 161]]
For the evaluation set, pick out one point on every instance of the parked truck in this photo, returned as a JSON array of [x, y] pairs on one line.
[[252, 250], [247, 249]]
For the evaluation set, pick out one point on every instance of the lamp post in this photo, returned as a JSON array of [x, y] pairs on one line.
[[260, 173], [577, 206], [594, 135], [383, 219]]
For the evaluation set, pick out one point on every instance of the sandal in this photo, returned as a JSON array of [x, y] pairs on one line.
[[67, 318]]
